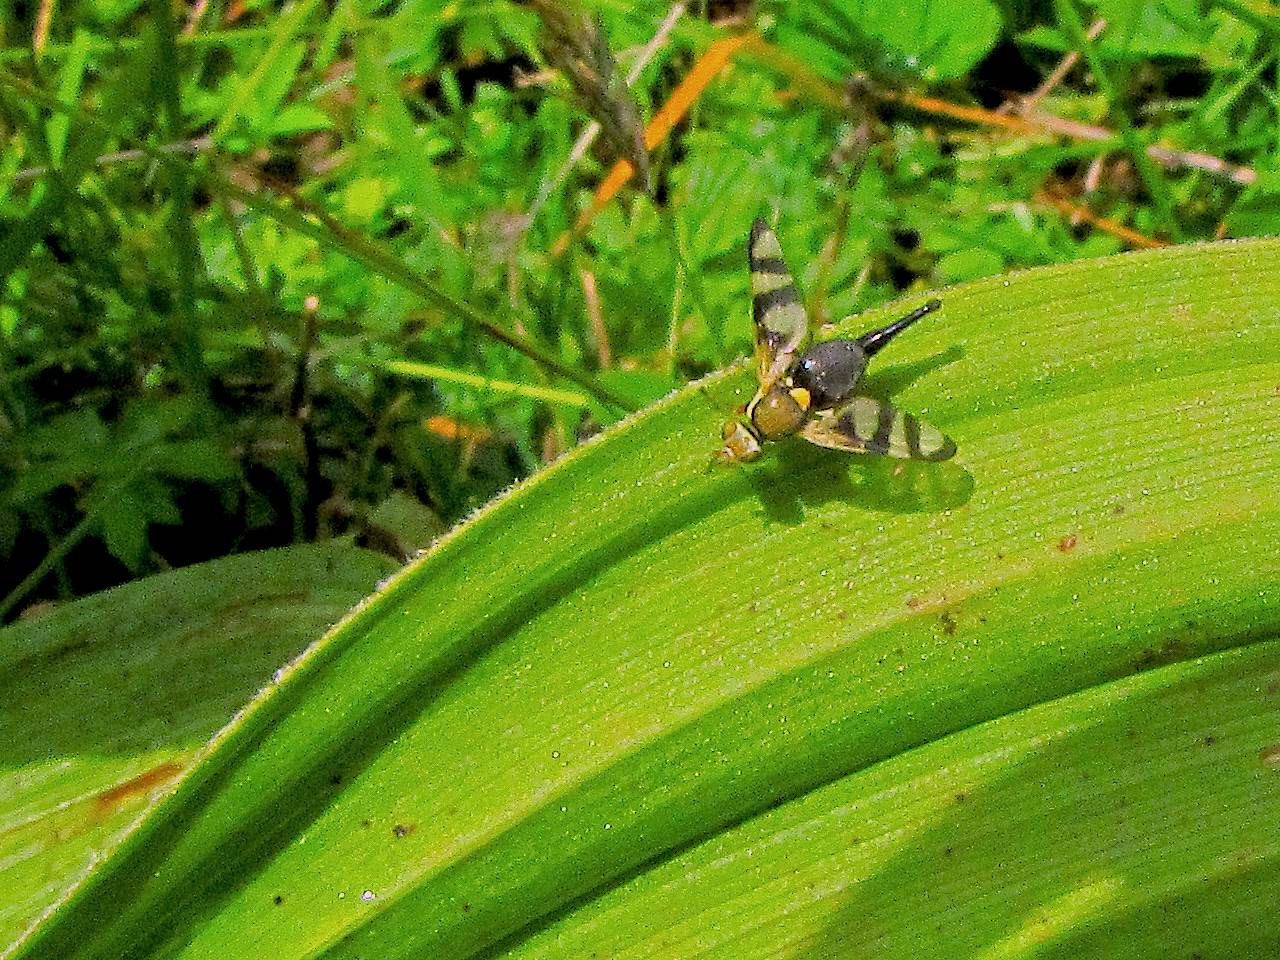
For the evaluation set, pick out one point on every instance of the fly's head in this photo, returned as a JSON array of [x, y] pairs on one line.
[[741, 445]]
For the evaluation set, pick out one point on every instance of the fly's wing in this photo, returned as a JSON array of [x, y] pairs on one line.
[[782, 326], [867, 425]]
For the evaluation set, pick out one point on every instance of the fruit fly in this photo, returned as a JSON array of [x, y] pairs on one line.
[[808, 389]]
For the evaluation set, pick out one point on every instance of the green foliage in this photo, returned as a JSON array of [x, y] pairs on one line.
[[123, 473], [840, 37], [1018, 704], [281, 273]]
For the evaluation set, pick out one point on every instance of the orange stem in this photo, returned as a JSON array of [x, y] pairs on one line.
[[1105, 224]]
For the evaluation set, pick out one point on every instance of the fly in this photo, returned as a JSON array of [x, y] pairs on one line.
[[808, 389]]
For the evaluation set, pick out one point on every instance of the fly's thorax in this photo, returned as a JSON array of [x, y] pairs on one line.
[[830, 371], [741, 445], [779, 411]]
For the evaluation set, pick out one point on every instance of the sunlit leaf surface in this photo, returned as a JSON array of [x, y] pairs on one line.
[[1020, 703]]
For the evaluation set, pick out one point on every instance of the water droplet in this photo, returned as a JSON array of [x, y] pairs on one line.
[[367, 896]]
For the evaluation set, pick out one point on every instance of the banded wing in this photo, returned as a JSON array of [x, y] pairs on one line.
[[867, 425], [782, 326]]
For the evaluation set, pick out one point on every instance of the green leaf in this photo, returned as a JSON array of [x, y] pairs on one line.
[[192, 460], [961, 840], [939, 40], [638, 386], [298, 118], [1140, 30], [406, 522], [104, 701], [273, 71], [1144, 29], [1257, 211], [969, 263], [125, 519], [819, 706]]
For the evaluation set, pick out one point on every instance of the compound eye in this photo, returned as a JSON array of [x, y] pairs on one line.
[[740, 445]]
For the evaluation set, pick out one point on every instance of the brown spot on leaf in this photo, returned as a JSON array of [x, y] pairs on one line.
[[1170, 651], [402, 830], [106, 801], [948, 623], [1067, 543], [928, 601], [277, 899], [1270, 756], [38, 609]]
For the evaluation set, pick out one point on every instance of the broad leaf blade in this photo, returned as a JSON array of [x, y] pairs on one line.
[[106, 700], [634, 653], [1099, 824]]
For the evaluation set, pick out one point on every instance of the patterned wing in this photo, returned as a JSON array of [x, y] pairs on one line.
[[782, 326], [867, 425]]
